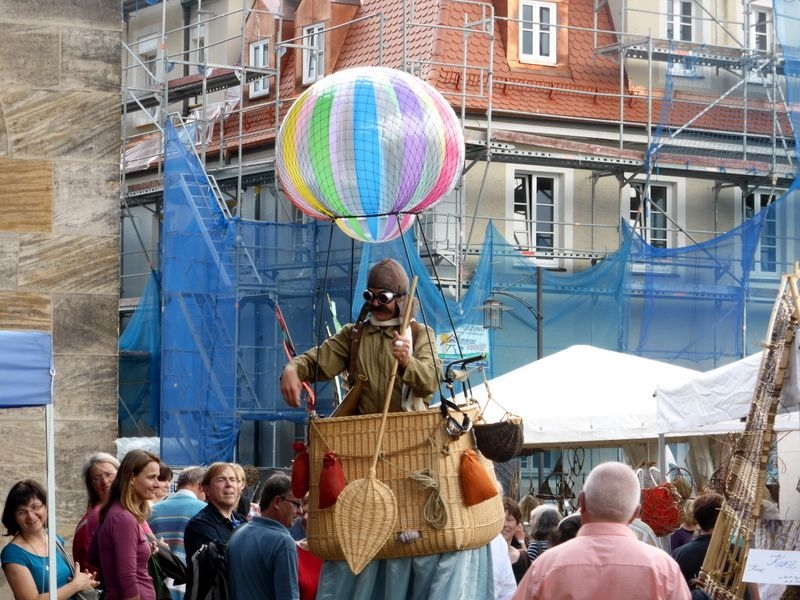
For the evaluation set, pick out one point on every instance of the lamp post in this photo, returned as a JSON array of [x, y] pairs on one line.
[[493, 319], [493, 310]]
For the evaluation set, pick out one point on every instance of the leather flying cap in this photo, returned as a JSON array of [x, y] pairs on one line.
[[388, 275]]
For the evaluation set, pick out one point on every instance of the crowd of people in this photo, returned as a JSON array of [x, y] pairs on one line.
[[604, 550], [594, 552], [131, 515]]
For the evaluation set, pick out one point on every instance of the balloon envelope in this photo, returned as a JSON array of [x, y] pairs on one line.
[[369, 147]]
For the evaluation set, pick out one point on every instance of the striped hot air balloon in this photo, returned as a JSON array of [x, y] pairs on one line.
[[369, 148]]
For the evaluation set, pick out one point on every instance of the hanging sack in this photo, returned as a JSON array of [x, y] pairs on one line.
[[300, 470], [500, 441], [331, 479], [662, 507], [476, 485]]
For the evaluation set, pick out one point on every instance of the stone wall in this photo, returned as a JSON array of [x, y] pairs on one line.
[[60, 68]]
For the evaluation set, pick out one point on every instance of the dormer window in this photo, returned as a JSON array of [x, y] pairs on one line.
[[313, 53], [259, 59], [538, 32]]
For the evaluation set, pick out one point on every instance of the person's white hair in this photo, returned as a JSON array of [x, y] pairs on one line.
[[612, 493]]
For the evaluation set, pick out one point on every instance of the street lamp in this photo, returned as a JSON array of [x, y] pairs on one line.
[[493, 310]]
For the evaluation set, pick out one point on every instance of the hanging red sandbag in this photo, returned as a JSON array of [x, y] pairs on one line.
[[476, 485], [331, 479], [301, 478]]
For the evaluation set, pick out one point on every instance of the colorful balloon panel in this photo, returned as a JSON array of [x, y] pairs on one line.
[[369, 147]]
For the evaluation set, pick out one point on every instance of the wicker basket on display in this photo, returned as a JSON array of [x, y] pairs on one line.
[[415, 447]]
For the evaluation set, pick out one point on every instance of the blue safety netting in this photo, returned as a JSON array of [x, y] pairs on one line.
[[140, 365], [221, 349]]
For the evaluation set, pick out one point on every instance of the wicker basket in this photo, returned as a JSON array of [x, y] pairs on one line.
[[413, 442]]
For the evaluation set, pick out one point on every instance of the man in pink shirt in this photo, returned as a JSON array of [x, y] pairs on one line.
[[605, 560]]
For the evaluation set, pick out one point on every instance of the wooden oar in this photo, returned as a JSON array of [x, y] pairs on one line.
[[366, 509]]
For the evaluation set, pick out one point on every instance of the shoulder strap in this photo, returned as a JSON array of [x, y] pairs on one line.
[[355, 341]]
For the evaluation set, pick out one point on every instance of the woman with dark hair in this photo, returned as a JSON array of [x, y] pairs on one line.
[[98, 473], [120, 545], [516, 551], [566, 530], [544, 519], [25, 558]]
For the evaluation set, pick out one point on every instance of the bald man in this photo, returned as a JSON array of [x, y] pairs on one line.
[[605, 560]]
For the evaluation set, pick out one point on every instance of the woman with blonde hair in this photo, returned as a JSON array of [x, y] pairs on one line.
[[98, 472], [686, 532], [120, 544]]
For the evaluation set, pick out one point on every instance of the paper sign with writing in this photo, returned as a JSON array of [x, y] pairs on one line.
[[772, 566]]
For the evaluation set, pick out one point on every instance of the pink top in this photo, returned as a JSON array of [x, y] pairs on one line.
[[123, 552], [605, 560]]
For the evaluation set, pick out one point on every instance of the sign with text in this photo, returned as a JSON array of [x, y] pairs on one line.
[[772, 566], [470, 339]]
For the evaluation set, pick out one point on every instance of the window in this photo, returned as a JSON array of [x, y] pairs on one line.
[[766, 259], [760, 29], [534, 212], [538, 32], [681, 25], [313, 53], [199, 47], [259, 58], [148, 55], [649, 217]]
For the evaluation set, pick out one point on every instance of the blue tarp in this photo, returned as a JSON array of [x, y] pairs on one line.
[[26, 361]]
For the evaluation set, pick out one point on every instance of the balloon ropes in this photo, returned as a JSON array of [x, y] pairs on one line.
[[369, 148]]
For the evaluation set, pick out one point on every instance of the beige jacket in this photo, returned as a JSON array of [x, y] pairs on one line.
[[374, 364]]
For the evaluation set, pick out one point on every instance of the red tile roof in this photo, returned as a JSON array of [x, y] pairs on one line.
[[586, 88]]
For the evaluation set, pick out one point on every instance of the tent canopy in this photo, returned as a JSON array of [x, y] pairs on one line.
[[582, 395], [25, 368], [723, 394]]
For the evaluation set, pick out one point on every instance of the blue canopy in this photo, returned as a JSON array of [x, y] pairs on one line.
[[26, 362]]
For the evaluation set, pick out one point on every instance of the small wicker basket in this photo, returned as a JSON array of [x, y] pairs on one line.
[[414, 443]]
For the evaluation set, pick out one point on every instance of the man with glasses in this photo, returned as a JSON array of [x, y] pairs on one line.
[[366, 350], [261, 555]]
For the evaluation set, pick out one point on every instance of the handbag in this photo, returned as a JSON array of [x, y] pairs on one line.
[[162, 565], [90, 594]]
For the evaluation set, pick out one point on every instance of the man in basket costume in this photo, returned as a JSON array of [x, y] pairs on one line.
[[367, 350]]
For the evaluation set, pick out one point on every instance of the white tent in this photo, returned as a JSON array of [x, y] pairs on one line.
[[714, 399], [582, 395]]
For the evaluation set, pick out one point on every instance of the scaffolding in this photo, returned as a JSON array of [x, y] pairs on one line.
[[672, 99], [197, 69]]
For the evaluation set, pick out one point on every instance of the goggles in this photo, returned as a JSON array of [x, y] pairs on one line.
[[384, 297]]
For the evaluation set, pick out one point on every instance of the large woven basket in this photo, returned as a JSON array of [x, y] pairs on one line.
[[413, 442]]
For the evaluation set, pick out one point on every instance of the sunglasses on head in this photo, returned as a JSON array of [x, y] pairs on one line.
[[384, 297]]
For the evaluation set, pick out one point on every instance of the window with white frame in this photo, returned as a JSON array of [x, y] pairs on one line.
[[538, 32], [259, 58], [534, 212], [766, 259], [199, 46], [313, 53], [682, 21], [760, 29], [648, 214], [147, 50]]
